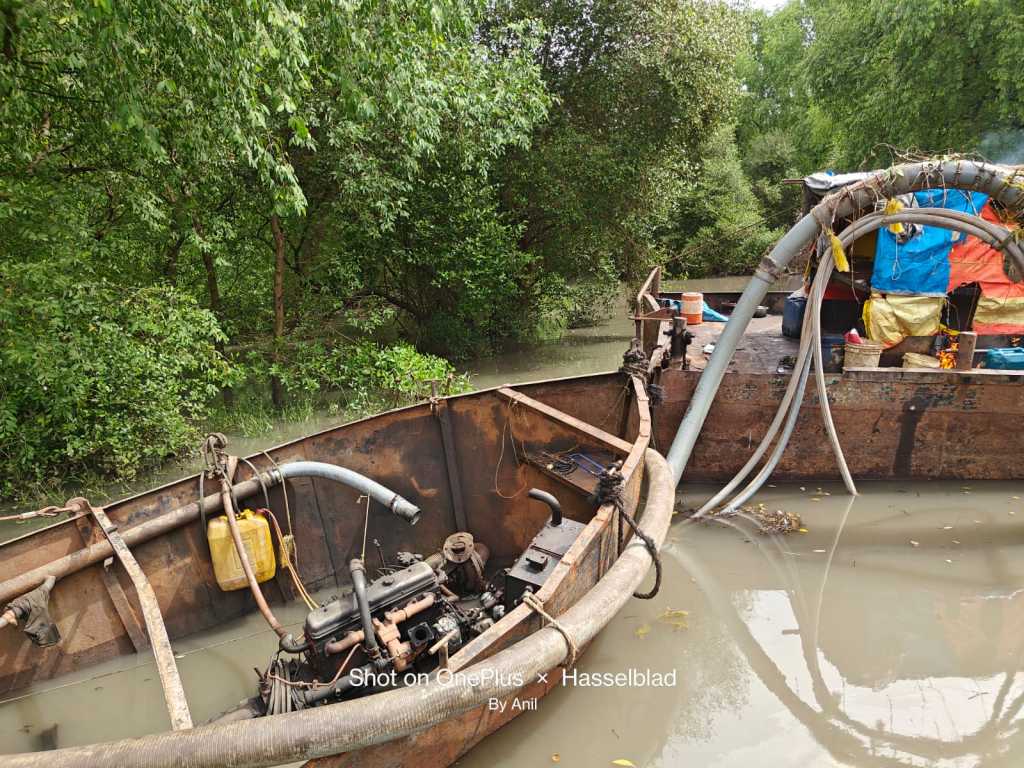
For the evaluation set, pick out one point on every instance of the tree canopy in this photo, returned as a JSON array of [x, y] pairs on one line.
[[228, 193]]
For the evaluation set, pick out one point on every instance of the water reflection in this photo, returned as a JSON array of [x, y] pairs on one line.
[[890, 634], [885, 672]]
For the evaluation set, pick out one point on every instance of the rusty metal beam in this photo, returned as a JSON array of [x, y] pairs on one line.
[[91, 534], [123, 606], [137, 534], [440, 409], [174, 693], [620, 445]]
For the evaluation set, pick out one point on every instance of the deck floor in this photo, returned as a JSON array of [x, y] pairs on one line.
[[760, 351]]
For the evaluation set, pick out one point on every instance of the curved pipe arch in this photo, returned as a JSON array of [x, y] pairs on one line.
[[1002, 183]]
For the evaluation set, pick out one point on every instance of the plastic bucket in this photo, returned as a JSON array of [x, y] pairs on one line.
[[863, 355], [832, 352], [693, 308]]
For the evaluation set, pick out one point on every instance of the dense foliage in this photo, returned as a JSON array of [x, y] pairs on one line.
[[105, 378], [313, 193], [852, 84]]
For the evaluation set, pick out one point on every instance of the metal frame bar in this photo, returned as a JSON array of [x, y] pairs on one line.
[[174, 692]]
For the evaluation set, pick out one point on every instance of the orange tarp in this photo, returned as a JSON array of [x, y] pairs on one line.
[[1001, 306]]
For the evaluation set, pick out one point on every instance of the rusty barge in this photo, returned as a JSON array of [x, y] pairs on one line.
[[518, 556]]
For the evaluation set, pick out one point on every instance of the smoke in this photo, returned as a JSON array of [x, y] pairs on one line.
[[1004, 146]]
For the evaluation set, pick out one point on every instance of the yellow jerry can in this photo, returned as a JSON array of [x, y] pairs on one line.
[[255, 533]]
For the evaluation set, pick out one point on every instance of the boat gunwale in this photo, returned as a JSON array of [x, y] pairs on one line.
[[291, 443]]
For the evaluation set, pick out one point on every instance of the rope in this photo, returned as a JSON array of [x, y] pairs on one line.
[[634, 361], [50, 511], [609, 491], [533, 602], [366, 527]]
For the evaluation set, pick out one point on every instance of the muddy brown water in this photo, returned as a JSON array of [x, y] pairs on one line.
[[890, 633]]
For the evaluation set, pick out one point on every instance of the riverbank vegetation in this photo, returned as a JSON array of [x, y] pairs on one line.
[[216, 201]]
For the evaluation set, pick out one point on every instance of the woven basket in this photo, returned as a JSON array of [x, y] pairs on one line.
[[863, 355]]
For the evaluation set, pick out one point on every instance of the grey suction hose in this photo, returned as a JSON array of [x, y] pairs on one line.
[[1000, 182], [397, 504], [351, 725], [796, 382], [990, 232]]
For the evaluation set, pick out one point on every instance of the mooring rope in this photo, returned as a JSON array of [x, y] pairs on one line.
[[609, 491]]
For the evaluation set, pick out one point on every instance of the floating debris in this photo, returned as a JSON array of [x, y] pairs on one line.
[[642, 632], [768, 522], [675, 618], [915, 543]]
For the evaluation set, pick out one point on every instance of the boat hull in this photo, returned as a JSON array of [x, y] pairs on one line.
[[466, 461]]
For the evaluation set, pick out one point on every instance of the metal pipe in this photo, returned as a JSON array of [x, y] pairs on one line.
[[158, 526], [1000, 182], [397, 504], [551, 501], [351, 725], [358, 572], [133, 536], [243, 557]]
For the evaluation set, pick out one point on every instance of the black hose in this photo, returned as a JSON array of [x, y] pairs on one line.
[[551, 501], [340, 686], [358, 572]]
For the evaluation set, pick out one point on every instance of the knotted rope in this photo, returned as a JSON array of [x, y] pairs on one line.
[[533, 602], [634, 361], [609, 491]]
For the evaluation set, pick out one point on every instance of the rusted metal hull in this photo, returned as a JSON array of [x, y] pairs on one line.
[[892, 422], [466, 462]]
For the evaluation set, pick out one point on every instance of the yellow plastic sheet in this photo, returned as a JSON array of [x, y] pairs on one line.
[[889, 318], [999, 315]]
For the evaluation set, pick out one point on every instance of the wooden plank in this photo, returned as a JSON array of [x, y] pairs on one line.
[[620, 445], [174, 692]]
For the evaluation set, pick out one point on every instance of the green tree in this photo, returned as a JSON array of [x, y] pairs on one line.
[[717, 226], [639, 87]]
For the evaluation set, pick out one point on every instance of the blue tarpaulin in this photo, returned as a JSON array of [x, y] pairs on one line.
[[921, 265]]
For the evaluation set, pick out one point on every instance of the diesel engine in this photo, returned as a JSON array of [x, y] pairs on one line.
[[407, 618], [410, 617]]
